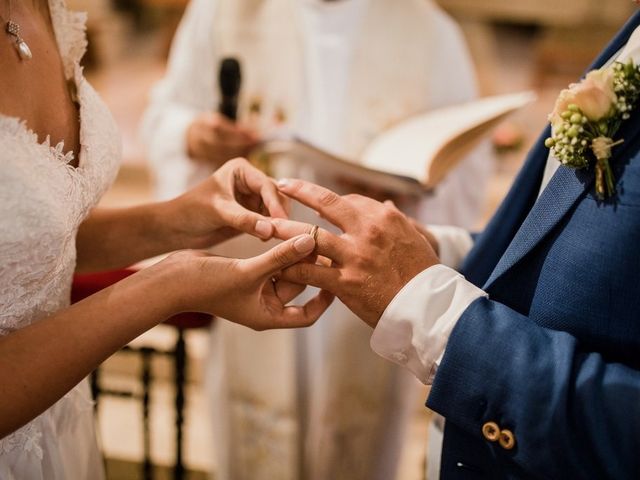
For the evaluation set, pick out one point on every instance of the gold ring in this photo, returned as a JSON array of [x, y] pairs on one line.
[[314, 233]]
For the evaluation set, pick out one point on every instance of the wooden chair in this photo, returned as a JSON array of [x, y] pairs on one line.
[[86, 285]]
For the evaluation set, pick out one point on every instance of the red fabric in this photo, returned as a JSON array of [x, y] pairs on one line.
[[190, 320], [86, 285]]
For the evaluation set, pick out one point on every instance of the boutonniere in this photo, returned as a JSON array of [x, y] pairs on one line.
[[587, 117]]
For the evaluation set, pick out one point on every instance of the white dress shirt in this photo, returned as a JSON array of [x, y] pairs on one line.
[[414, 329]]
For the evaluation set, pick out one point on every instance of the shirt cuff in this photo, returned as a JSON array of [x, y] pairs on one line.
[[454, 243], [415, 327]]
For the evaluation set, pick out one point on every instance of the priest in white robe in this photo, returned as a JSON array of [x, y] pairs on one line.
[[314, 404]]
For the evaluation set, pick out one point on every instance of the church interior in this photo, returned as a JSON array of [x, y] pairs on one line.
[[540, 45]]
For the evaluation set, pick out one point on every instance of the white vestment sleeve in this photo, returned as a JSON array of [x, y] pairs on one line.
[[460, 197], [187, 89], [173, 170], [414, 329], [454, 243]]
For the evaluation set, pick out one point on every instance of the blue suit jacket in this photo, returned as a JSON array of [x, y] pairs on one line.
[[554, 354]]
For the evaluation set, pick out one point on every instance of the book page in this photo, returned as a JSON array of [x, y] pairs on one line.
[[304, 152], [412, 157], [410, 148]]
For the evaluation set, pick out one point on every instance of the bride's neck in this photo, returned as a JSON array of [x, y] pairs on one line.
[[35, 4], [23, 10], [39, 6]]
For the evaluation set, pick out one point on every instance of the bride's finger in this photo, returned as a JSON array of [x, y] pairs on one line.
[[239, 218], [277, 204], [260, 184], [306, 315], [323, 261], [287, 291], [328, 244], [279, 257]]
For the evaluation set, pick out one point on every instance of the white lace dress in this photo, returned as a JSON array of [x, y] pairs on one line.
[[43, 199]]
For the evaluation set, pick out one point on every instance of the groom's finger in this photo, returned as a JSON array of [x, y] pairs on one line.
[[280, 256], [328, 204], [326, 278], [327, 244]]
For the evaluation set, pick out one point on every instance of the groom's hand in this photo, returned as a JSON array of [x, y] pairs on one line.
[[379, 252]]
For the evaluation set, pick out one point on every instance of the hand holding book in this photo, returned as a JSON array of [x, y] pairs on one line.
[[414, 156]]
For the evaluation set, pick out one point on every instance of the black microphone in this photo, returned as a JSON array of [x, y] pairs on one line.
[[229, 80]]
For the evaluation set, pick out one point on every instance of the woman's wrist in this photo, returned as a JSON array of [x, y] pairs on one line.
[[166, 285], [176, 228]]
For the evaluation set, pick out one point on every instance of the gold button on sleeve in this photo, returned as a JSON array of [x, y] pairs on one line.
[[491, 431], [507, 439]]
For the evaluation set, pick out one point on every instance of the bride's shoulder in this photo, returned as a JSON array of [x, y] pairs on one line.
[[70, 29]]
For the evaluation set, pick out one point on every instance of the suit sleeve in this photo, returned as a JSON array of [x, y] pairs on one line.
[[570, 409]]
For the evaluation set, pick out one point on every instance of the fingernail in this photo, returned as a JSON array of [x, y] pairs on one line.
[[304, 244], [283, 183], [263, 228]]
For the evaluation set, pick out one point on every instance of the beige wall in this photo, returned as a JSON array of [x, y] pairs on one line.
[[547, 12]]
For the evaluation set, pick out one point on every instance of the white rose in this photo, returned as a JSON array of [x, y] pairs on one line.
[[594, 96]]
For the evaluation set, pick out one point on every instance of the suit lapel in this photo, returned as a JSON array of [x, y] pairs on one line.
[[567, 185]]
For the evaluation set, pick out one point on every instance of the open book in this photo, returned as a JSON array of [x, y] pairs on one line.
[[415, 155]]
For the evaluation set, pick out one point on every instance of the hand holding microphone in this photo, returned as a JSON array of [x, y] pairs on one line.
[[214, 138]]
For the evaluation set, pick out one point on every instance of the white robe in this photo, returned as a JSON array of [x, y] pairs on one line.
[[317, 403]]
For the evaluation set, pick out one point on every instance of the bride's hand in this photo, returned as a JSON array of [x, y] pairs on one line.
[[245, 291], [236, 198]]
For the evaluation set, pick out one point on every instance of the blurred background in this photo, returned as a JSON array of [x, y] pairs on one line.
[[516, 45]]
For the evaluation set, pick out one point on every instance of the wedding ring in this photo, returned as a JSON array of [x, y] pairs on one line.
[[314, 233]]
